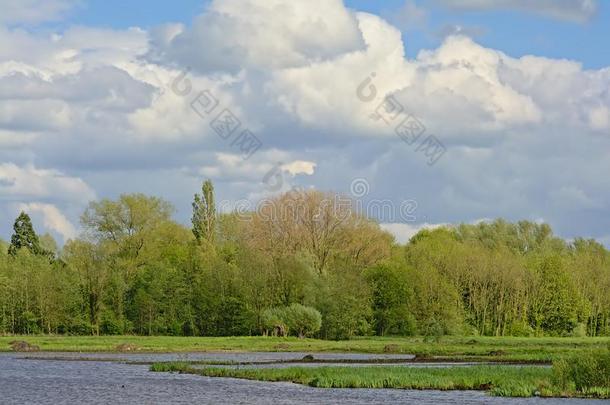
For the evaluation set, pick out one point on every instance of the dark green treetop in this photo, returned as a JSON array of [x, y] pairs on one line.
[[24, 236]]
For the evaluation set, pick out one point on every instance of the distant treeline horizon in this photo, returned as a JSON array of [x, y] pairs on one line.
[[308, 268]]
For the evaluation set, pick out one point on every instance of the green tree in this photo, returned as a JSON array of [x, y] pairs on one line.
[[204, 214], [87, 260], [555, 302], [392, 296], [303, 321], [345, 303], [24, 236]]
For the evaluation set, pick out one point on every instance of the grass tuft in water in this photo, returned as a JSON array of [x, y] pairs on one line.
[[505, 381], [171, 366]]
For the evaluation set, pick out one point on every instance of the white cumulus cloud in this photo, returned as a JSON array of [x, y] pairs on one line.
[[53, 219]]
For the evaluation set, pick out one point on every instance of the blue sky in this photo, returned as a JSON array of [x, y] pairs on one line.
[[515, 32]]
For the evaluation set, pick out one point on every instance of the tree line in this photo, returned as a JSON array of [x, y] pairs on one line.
[[298, 266]]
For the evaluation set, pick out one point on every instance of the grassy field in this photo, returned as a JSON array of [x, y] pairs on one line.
[[452, 348], [508, 381]]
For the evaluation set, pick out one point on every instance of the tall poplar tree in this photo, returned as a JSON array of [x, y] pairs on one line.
[[204, 213]]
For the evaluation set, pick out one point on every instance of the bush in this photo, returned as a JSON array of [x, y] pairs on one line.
[[580, 330], [30, 321], [302, 321], [585, 371], [273, 321], [111, 325], [296, 319], [432, 329], [78, 327], [520, 328]]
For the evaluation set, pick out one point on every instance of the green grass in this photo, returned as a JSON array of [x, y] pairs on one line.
[[173, 366], [523, 381], [450, 347]]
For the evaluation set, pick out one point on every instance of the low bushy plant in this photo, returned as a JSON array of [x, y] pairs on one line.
[[295, 319], [302, 321], [585, 371]]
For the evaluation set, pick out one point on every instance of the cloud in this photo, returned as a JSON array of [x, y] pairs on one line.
[[16, 140], [265, 172], [261, 33], [404, 232], [568, 10], [449, 30], [599, 118], [461, 78], [46, 193], [34, 11], [49, 55], [29, 182], [53, 219], [94, 110], [299, 167]]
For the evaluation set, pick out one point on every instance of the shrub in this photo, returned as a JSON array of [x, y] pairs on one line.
[[433, 329], [296, 319], [302, 321], [273, 321], [78, 326], [520, 328], [111, 325], [31, 322], [580, 330], [585, 371]]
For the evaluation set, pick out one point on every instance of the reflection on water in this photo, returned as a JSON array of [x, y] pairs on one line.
[[103, 382]]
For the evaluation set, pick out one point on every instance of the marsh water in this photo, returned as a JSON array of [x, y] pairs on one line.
[[63, 378]]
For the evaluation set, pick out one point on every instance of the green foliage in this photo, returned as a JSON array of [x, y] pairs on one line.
[[30, 322], [296, 319], [392, 299], [580, 330], [520, 328], [273, 321], [556, 307], [308, 267], [586, 371], [233, 319], [204, 214], [110, 324], [24, 236], [345, 304]]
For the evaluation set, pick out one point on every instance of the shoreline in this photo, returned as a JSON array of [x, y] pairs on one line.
[[534, 350]]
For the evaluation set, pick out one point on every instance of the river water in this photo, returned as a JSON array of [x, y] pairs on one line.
[[27, 381]]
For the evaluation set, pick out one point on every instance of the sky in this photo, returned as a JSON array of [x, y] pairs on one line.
[[425, 112]]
